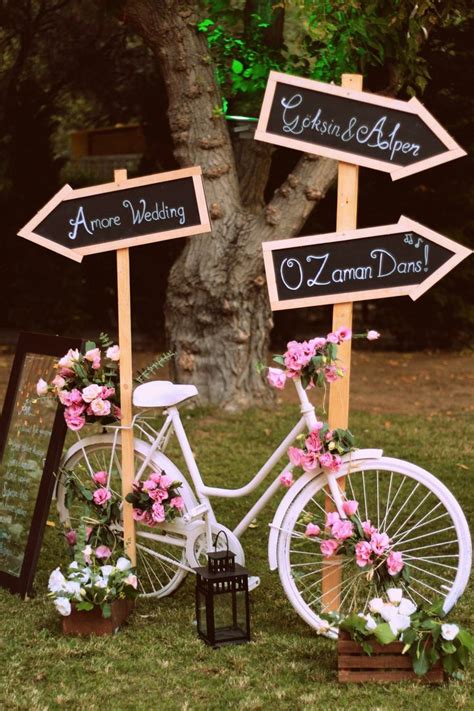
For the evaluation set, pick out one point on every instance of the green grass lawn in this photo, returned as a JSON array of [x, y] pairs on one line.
[[157, 662]]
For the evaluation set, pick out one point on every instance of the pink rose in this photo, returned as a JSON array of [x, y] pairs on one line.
[[312, 529], [158, 512], [101, 496], [113, 353], [276, 377], [332, 338], [295, 455], [298, 355], [74, 422], [363, 553], [344, 334], [330, 373], [368, 529], [310, 461], [342, 529], [350, 507], [76, 397], [336, 463], [394, 563], [177, 502], [100, 408], [313, 443], [91, 392], [103, 552], [325, 459], [165, 481], [139, 515], [66, 372], [100, 478], [286, 479], [329, 547], [317, 343], [65, 398], [107, 392], [149, 485], [156, 477], [372, 335], [331, 518], [75, 410], [379, 542], [117, 412], [71, 537], [92, 355], [158, 494]]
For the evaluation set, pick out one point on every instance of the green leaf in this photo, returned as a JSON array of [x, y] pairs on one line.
[[448, 647], [384, 634], [90, 345], [421, 663], [84, 605], [409, 636], [106, 610], [237, 67], [466, 639], [279, 359]]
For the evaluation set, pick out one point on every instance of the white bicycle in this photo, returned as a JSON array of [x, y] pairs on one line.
[[420, 515]]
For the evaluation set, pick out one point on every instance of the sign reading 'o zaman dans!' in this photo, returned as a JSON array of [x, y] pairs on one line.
[[108, 217], [392, 260], [398, 137]]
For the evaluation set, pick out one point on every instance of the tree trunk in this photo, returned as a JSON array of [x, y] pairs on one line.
[[217, 312]]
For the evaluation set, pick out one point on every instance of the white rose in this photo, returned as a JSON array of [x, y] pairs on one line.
[[388, 612], [131, 580], [406, 607], [73, 588], [100, 407], [41, 387], [91, 392], [398, 623], [123, 564], [370, 623], [376, 605], [107, 570], [56, 581], [63, 606], [449, 632], [113, 353], [394, 595]]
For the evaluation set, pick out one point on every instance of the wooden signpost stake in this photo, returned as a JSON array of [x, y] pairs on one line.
[[126, 382]]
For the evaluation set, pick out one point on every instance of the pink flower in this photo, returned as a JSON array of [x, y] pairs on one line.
[[74, 422], [312, 530], [317, 343], [295, 455], [329, 547], [379, 542], [76, 397], [75, 410], [71, 537], [155, 476], [336, 463], [107, 392], [149, 485], [286, 479], [65, 398], [368, 528], [158, 494], [165, 481], [92, 355], [276, 377], [298, 355], [394, 563], [372, 335], [71, 357], [313, 443], [158, 512], [66, 372], [332, 338], [117, 412], [350, 507], [58, 382], [329, 435], [317, 427], [103, 552], [139, 515], [100, 408], [342, 530], [330, 373], [113, 353], [331, 518], [131, 580], [101, 496], [177, 502], [326, 459], [344, 334], [100, 478], [310, 461], [363, 551]]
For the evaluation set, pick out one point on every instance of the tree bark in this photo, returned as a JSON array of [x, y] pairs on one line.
[[217, 311]]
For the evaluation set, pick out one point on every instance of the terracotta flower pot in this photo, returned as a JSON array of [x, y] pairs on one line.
[[81, 623]]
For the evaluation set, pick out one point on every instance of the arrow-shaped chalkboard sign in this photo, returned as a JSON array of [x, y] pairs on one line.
[[398, 137], [373, 263], [113, 216]]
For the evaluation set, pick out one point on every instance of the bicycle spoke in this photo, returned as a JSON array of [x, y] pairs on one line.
[[425, 535], [402, 507]]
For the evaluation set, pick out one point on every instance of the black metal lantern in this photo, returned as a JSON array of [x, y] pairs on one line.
[[222, 599]]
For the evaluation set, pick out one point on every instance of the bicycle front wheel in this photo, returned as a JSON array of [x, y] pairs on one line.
[[161, 553], [419, 514]]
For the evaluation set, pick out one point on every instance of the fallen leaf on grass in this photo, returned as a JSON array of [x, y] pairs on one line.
[[462, 466]]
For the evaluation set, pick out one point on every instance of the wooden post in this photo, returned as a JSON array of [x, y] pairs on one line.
[[338, 410], [126, 381]]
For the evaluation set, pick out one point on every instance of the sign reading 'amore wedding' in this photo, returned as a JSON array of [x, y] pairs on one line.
[[393, 260], [107, 217], [357, 127]]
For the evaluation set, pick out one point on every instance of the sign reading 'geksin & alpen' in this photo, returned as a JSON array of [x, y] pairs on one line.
[[107, 217]]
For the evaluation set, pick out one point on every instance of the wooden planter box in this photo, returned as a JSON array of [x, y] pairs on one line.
[[385, 664], [81, 623]]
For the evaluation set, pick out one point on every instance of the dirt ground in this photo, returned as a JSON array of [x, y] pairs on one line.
[[412, 383]]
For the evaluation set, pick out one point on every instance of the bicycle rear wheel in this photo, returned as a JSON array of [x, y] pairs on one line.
[[161, 553], [421, 517]]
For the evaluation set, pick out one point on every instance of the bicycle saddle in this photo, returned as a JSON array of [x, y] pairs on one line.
[[162, 393]]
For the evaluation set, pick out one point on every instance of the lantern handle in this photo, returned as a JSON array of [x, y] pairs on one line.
[[226, 540]]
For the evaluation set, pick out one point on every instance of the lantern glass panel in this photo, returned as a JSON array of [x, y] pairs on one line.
[[230, 617], [201, 613]]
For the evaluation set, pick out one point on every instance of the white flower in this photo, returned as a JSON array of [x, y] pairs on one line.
[[388, 612], [87, 552], [449, 632], [376, 605], [370, 623], [41, 387], [123, 564], [70, 357], [373, 335], [398, 623], [394, 595], [131, 580], [74, 565], [113, 353], [100, 407], [91, 392], [56, 581], [100, 582], [63, 606], [92, 355], [322, 626], [406, 607], [73, 588], [107, 570]]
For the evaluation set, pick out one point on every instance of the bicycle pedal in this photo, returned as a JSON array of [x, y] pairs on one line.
[[254, 582]]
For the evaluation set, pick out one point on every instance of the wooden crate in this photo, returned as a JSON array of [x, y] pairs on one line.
[[385, 664]]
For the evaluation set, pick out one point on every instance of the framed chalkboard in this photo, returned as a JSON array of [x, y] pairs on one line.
[[32, 432]]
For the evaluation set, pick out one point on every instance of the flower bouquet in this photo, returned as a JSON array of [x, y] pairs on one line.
[[87, 384], [156, 499]]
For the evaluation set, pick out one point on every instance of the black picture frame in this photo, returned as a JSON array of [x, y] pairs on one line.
[[42, 345]]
